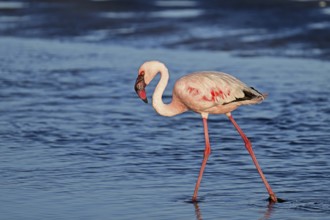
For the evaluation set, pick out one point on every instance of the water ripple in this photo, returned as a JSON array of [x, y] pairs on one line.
[[75, 138]]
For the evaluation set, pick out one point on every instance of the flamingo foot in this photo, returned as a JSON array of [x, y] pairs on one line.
[[273, 199]]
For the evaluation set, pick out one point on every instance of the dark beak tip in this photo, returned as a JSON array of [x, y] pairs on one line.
[[145, 100]]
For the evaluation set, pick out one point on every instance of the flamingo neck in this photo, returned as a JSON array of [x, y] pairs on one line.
[[171, 109]]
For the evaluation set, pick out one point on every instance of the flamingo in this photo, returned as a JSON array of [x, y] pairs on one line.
[[206, 92]]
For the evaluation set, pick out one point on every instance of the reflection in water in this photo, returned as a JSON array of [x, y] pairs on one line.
[[11, 5], [177, 13], [267, 213], [197, 211]]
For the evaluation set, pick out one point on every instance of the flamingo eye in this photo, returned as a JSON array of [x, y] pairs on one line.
[[140, 84]]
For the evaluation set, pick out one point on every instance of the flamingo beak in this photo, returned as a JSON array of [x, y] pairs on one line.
[[140, 86]]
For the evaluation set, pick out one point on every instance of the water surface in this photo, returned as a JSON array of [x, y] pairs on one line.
[[77, 143]]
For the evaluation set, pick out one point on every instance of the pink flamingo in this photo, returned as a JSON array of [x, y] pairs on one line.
[[205, 93]]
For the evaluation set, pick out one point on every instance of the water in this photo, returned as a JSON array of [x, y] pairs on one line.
[[290, 28], [77, 143]]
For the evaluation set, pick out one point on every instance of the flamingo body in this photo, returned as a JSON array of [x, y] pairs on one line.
[[205, 92], [214, 92]]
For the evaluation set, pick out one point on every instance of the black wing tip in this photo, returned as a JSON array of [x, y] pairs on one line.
[[264, 95], [248, 95]]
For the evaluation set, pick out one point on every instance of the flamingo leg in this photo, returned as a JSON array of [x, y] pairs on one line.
[[207, 152], [248, 147]]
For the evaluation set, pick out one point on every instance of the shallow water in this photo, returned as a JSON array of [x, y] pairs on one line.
[[291, 28], [77, 143]]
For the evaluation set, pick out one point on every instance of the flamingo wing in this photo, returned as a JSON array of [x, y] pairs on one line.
[[204, 90]]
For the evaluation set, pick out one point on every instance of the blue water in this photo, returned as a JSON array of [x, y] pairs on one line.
[[77, 143]]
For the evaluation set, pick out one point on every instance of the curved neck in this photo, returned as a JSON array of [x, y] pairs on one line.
[[171, 109]]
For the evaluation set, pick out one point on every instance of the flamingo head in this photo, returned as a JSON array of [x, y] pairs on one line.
[[140, 86], [147, 72]]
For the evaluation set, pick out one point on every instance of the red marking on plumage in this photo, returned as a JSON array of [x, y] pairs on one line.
[[228, 92], [214, 95], [193, 91], [204, 98], [221, 94]]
